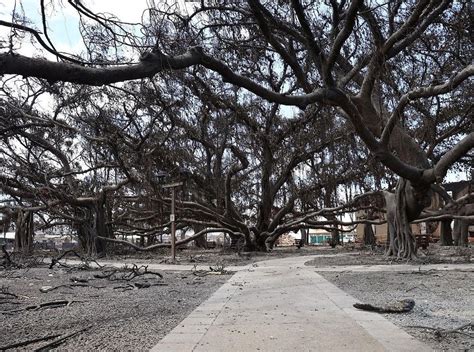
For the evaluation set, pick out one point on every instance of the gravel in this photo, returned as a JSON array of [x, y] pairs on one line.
[[136, 319], [444, 300], [435, 254], [119, 319]]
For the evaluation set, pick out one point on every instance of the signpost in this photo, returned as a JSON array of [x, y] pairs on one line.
[[173, 187]]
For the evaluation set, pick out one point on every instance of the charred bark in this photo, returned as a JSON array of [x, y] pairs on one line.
[[446, 236], [404, 206], [369, 236], [460, 233], [304, 238], [92, 227], [200, 242], [24, 232]]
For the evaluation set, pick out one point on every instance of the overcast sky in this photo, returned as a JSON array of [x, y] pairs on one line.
[[63, 20]]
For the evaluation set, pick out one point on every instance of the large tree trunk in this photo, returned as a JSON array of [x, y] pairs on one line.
[[201, 241], [409, 199], [446, 236], [460, 233], [235, 241], [304, 238], [369, 236], [24, 232], [404, 206], [262, 241], [335, 238], [94, 225]]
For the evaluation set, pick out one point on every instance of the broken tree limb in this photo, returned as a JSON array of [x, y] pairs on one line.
[[216, 270], [53, 304], [4, 291], [148, 284], [402, 306], [444, 332], [28, 342], [46, 289], [85, 265], [126, 273], [127, 287], [61, 340], [163, 245]]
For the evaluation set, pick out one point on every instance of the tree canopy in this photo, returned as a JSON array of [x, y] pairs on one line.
[[266, 108]]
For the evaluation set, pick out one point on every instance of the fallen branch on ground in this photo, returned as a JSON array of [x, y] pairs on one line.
[[216, 270], [4, 291], [139, 285], [126, 273], [411, 289], [53, 304], [199, 273], [442, 333], [28, 342], [47, 289], [402, 306], [84, 266], [219, 269], [61, 340]]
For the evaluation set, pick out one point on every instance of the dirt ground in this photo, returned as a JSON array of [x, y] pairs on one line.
[[443, 301], [216, 256], [118, 315], [434, 254], [130, 310]]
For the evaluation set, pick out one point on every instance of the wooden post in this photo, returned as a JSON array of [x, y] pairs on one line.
[[173, 224], [173, 216]]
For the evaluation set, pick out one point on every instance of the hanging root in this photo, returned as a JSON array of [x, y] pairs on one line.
[[402, 242]]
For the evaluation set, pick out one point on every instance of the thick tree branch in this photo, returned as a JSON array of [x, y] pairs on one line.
[[342, 36], [441, 168], [67, 72], [424, 92], [290, 60], [167, 245]]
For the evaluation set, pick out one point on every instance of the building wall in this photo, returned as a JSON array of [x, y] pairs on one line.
[[381, 231], [319, 239], [286, 240]]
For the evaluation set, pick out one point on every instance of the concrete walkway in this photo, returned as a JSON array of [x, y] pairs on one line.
[[282, 305]]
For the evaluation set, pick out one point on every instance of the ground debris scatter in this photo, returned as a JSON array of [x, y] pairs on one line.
[[434, 254], [128, 309], [84, 306], [444, 312]]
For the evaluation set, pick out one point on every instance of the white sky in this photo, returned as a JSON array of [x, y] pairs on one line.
[[63, 19]]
